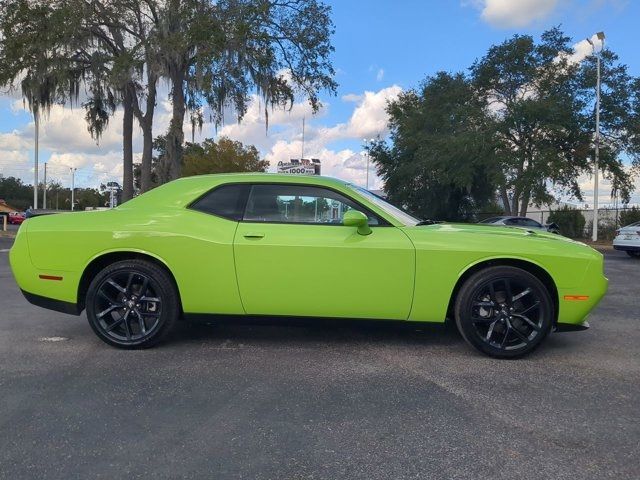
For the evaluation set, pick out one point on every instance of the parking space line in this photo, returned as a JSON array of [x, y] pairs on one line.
[[4, 250]]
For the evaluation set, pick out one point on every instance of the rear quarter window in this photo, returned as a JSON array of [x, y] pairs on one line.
[[226, 201]]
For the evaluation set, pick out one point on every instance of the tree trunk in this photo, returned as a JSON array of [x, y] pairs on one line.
[[524, 204], [146, 123], [147, 155], [175, 135], [505, 199], [515, 202], [127, 139]]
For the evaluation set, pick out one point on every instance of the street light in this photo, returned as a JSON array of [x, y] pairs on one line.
[[36, 117], [598, 55], [73, 187], [368, 141]]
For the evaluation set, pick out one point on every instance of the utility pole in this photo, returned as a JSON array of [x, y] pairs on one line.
[[36, 117], [302, 153], [368, 160], [368, 142], [44, 193], [73, 179], [596, 160]]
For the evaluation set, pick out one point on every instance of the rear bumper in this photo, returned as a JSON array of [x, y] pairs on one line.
[[52, 304], [627, 248], [53, 289], [620, 243]]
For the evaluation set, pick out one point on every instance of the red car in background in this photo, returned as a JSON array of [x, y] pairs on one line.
[[16, 218]]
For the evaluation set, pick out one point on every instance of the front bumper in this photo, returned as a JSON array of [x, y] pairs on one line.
[[575, 304], [52, 304], [571, 327]]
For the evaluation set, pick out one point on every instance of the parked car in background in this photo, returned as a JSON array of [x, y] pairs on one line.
[[522, 222], [628, 239], [40, 212], [16, 218]]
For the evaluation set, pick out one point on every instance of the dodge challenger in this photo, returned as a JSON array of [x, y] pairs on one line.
[[303, 246]]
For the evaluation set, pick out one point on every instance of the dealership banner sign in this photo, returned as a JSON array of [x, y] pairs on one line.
[[304, 166]]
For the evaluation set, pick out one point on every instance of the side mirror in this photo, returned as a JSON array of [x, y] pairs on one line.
[[354, 218]]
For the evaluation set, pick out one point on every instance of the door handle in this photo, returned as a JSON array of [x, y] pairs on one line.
[[253, 235]]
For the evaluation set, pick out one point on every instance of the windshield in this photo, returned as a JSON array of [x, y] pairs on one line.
[[392, 210], [490, 220]]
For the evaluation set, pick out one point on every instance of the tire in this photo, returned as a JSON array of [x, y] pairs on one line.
[[497, 326], [633, 253], [132, 304]]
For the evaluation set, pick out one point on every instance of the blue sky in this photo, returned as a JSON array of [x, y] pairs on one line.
[[381, 48]]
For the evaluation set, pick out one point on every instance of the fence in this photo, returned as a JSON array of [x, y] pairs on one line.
[[609, 215], [608, 219]]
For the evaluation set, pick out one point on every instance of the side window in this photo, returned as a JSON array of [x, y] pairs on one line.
[[511, 221], [226, 201], [285, 203], [527, 222]]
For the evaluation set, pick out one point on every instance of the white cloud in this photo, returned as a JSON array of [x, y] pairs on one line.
[[64, 137], [514, 13], [369, 119], [344, 164], [380, 74], [352, 97], [283, 140], [13, 141], [583, 49]]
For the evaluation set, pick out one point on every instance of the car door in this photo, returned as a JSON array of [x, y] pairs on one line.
[[294, 257]]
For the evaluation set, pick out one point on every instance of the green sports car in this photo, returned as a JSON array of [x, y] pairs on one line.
[[303, 246]]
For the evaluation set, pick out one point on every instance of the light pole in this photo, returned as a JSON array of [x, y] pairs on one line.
[[44, 190], [36, 117], [598, 55], [73, 180], [368, 141]]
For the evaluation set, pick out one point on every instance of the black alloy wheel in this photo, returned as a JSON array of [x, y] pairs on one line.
[[504, 312], [132, 304]]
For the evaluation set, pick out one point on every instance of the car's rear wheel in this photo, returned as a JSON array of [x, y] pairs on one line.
[[504, 312], [132, 304], [633, 253]]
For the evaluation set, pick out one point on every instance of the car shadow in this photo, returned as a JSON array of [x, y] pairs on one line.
[[268, 331]]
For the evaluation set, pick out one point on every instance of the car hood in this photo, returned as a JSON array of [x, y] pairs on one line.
[[492, 230]]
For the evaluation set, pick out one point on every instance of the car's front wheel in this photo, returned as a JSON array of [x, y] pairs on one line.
[[633, 253], [132, 304], [505, 312]]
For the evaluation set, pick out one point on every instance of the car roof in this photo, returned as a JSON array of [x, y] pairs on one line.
[[263, 177], [183, 190]]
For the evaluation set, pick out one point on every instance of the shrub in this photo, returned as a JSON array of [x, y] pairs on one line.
[[491, 210], [629, 216], [570, 221], [606, 229]]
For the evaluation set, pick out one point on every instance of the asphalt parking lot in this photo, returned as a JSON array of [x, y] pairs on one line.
[[318, 401]]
